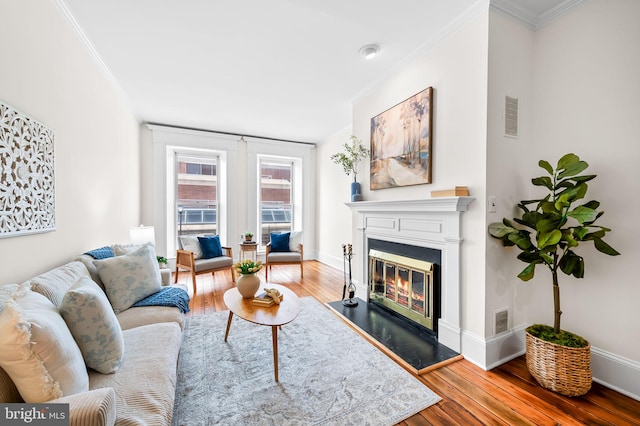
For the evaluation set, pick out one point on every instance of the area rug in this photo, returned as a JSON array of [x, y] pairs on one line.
[[328, 375]]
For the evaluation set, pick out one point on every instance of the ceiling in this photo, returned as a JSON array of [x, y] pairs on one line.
[[283, 69]]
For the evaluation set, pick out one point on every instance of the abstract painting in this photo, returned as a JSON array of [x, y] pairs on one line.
[[401, 143], [27, 181]]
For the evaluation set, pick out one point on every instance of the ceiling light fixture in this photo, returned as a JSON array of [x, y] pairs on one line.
[[369, 51]]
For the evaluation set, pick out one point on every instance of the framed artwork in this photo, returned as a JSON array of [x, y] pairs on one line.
[[27, 180], [401, 143]]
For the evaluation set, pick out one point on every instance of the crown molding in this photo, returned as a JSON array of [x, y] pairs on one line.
[[533, 20]]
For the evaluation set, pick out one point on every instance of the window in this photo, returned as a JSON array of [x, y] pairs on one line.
[[196, 195], [276, 198]]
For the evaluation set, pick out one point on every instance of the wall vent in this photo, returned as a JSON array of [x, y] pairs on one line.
[[501, 321], [511, 116]]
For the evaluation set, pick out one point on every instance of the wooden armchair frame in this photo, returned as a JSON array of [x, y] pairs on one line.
[[186, 261], [267, 264]]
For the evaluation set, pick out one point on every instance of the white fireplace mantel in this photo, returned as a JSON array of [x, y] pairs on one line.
[[432, 222]]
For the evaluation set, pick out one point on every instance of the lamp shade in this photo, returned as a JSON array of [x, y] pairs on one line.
[[142, 234]]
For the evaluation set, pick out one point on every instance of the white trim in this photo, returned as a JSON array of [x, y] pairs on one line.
[[616, 372], [532, 20]]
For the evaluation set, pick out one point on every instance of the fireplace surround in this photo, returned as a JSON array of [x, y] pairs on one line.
[[433, 223]]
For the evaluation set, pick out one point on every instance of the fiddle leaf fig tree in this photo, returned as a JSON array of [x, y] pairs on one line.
[[550, 229]]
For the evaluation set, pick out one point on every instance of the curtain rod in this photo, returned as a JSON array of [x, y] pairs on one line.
[[228, 133]]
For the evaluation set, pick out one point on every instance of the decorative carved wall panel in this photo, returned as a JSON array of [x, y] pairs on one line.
[[27, 175]]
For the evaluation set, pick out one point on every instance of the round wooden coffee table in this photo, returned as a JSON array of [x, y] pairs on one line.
[[274, 316]]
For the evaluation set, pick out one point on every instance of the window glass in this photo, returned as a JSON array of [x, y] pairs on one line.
[[196, 195], [276, 187]]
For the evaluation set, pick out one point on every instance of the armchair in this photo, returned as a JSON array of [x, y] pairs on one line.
[[290, 254], [189, 258]]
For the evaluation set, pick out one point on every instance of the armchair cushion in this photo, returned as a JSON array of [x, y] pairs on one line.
[[210, 247], [279, 257], [280, 242], [191, 243], [214, 263]]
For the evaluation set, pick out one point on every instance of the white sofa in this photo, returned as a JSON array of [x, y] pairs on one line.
[[142, 390]]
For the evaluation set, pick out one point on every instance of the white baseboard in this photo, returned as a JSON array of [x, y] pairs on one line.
[[610, 370], [333, 261]]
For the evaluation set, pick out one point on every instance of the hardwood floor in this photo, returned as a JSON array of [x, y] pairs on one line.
[[506, 395]]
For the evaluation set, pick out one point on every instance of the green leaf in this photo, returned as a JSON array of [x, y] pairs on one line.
[[545, 165], [583, 214], [543, 181], [527, 273], [521, 239], [567, 160], [583, 178], [498, 230], [546, 225], [573, 169], [569, 262], [550, 208], [593, 204], [604, 247], [549, 238], [567, 236]]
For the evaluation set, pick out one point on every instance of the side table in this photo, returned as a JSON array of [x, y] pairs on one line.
[[249, 251]]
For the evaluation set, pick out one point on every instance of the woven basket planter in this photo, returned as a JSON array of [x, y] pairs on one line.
[[559, 368]]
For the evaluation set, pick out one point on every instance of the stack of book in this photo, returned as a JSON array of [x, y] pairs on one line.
[[263, 300]]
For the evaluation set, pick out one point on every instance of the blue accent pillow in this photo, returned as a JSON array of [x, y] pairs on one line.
[[280, 242], [101, 253], [210, 247]]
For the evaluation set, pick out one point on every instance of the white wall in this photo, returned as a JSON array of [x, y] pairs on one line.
[[47, 73], [583, 99], [456, 68], [333, 190]]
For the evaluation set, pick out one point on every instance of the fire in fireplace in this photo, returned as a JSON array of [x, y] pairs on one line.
[[402, 284]]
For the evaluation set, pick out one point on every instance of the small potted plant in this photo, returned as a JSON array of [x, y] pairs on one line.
[[162, 262], [557, 359], [248, 236], [354, 153]]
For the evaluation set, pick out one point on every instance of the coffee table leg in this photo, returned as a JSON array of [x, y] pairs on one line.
[[274, 335], [226, 333]]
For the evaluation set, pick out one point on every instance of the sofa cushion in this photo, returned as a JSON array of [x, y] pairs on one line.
[[280, 241], [216, 262], [210, 247], [55, 283], [37, 350], [145, 384], [94, 408], [93, 325], [8, 390], [191, 243], [130, 277], [145, 315]]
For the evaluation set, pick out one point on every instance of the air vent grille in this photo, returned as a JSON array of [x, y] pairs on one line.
[[511, 116]]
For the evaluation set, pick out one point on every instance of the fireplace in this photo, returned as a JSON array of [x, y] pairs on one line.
[[403, 278], [433, 225]]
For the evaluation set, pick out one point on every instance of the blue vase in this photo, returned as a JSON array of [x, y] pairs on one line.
[[355, 191]]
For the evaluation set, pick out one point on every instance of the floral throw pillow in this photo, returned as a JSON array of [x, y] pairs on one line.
[[93, 325], [130, 278]]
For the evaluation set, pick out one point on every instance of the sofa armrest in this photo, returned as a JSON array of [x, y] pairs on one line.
[[93, 408]]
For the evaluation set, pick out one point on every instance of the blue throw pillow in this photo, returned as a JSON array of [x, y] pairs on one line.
[[280, 242], [101, 253], [210, 247]]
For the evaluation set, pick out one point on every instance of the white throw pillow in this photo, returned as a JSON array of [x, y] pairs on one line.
[[93, 325], [295, 239], [37, 350], [130, 277], [191, 243]]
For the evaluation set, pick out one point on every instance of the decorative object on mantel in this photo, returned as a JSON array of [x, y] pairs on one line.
[[349, 160], [558, 360], [248, 283], [458, 191], [27, 173], [401, 152], [347, 255]]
